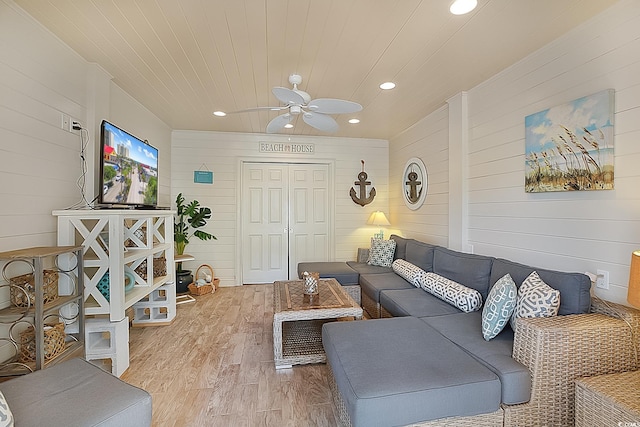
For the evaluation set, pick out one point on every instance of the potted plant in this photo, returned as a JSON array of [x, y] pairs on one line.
[[190, 218]]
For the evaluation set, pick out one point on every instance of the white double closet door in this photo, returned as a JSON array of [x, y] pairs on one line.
[[286, 219]]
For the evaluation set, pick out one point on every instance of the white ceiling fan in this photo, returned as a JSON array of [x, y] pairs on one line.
[[314, 112]]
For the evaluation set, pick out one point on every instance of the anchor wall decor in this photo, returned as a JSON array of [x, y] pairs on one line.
[[414, 183], [362, 183]]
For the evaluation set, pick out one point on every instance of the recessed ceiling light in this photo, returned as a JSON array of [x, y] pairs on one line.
[[460, 7], [387, 85], [354, 121], [219, 113], [288, 125]]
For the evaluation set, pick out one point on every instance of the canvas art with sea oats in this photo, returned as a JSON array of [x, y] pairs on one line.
[[570, 147]]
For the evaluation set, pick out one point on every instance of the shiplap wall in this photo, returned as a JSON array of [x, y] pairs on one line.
[[40, 77], [127, 113], [571, 231], [221, 154], [429, 140]]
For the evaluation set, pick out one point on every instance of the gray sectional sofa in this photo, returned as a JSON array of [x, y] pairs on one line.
[[422, 361], [76, 393]]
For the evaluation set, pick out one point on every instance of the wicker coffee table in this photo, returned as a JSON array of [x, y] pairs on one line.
[[298, 320]]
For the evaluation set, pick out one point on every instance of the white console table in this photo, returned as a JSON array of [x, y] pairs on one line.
[[119, 242]]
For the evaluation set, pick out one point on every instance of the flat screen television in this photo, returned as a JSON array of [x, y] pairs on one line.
[[128, 169]]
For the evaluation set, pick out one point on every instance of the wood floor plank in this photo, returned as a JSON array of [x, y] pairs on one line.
[[213, 366]]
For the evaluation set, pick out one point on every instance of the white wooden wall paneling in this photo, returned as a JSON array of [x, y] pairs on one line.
[[569, 231]]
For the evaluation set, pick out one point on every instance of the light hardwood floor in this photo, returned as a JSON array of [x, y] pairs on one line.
[[213, 366]]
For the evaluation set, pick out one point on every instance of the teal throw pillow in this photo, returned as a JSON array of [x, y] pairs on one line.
[[499, 307]]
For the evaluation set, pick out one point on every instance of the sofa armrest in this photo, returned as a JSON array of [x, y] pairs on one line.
[[363, 255], [557, 350]]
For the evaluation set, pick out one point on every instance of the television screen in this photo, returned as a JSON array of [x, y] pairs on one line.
[[128, 169]]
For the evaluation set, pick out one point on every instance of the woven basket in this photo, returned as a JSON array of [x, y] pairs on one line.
[[54, 342], [200, 290], [202, 272], [26, 282], [159, 268]]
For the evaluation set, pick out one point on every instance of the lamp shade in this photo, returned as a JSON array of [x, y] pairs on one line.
[[378, 218], [633, 294]]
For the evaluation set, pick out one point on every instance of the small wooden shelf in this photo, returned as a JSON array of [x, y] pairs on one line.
[[36, 315]]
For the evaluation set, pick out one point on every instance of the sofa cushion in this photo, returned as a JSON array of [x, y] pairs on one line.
[[76, 393], [401, 246], [535, 299], [464, 329], [340, 271], [575, 288], [414, 302], [6, 417], [372, 284], [472, 271], [408, 271], [420, 254], [364, 268], [400, 371], [460, 296], [499, 307], [381, 252]]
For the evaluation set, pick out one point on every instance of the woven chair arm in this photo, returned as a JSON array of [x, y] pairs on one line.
[[557, 350], [628, 314]]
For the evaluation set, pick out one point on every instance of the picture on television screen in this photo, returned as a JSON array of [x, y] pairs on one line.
[[129, 169]]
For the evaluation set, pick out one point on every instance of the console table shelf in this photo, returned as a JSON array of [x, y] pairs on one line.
[[121, 249], [119, 241]]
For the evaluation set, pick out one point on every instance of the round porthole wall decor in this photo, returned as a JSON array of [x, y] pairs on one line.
[[414, 183]]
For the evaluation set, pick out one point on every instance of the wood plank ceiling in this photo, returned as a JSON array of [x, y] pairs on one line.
[[184, 59]]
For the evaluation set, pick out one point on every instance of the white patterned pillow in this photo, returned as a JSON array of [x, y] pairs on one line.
[[499, 307], [6, 417], [407, 271], [466, 299], [381, 252], [535, 299]]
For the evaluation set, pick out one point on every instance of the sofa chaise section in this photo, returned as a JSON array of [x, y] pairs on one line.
[[400, 371]]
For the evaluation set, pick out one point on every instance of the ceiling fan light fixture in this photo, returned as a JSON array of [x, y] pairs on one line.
[[288, 126], [354, 121], [460, 7], [219, 113], [387, 85]]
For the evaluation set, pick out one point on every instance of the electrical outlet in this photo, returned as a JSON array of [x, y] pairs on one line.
[[602, 279]]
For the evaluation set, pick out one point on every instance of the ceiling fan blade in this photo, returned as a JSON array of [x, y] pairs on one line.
[[333, 106], [320, 122], [248, 110], [287, 96], [278, 123]]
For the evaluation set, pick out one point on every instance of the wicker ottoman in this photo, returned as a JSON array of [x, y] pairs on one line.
[[608, 400]]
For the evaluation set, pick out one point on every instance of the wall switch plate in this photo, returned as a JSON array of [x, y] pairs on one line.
[[66, 123], [602, 279]]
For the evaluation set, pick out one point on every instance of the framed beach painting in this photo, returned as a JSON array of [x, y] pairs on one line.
[[570, 147]]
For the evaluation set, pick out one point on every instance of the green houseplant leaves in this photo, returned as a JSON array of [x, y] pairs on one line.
[[190, 217]]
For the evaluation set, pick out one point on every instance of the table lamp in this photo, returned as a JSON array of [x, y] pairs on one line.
[[378, 218], [633, 294]]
